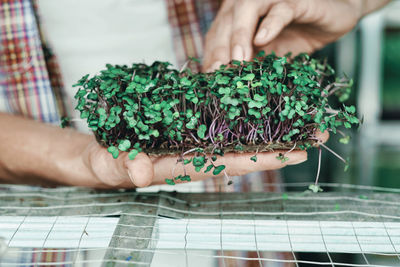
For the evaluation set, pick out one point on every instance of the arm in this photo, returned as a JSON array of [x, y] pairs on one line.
[[36, 153], [244, 27]]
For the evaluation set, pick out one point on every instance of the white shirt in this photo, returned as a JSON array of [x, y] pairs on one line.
[[86, 35]]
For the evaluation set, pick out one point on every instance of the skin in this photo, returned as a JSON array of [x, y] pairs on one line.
[[244, 27], [41, 154]]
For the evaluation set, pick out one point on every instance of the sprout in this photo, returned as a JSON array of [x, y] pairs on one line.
[[268, 104]]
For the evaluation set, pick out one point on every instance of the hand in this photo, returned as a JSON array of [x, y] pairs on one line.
[[147, 170], [284, 26], [40, 154]]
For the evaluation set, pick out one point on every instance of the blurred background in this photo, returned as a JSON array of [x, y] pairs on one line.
[[370, 55]]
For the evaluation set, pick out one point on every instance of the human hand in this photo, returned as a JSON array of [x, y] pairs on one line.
[[40, 154], [286, 26], [147, 170]]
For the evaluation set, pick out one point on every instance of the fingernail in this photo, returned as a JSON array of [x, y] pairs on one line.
[[294, 162], [261, 35], [300, 161], [131, 177], [215, 66], [237, 53]]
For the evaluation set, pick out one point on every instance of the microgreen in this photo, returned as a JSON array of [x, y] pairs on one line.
[[218, 169], [269, 103]]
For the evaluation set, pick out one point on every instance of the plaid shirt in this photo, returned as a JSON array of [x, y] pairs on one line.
[[26, 82], [31, 84]]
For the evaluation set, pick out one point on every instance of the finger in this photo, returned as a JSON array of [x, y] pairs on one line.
[[237, 165], [140, 170], [166, 167], [322, 136], [279, 16], [216, 47], [109, 172], [245, 19], [292, 39]]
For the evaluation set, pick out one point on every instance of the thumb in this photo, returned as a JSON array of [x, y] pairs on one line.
[[140, 170]]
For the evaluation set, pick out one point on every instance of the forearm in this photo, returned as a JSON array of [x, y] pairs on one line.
[[36, 153]]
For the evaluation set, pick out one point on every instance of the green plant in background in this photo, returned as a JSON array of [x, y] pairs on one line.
[[267, 104]]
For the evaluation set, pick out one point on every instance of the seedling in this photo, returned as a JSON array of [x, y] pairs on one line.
[[271, 103]]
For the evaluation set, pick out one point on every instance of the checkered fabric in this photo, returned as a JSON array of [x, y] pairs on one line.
[[189, 21], [25, 80]]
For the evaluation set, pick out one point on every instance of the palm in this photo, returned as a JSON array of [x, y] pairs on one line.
[[146, 170]]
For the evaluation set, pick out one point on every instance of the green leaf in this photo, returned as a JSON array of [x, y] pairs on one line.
[[192, 123], [222, 79], [278, 66], [315, 188], [85, 114], [318, 117], [170, 181], [132, 154], [239, 147], [65, 121], [224, 90], [183, 178], [255, 104], [345, 140], [248, 77], [229, 101], [124, 145], [201, 131], [254, 158], [194, 100], [323, 127], [255, 113], [233, 112], [350, 109], [185, 81], [155, 133], [209, 167], [113, 151], [82, 81], [260, 98], [218, 169], [92, 96], [282, 158], [199, 161], [346, 167]]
